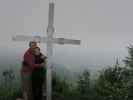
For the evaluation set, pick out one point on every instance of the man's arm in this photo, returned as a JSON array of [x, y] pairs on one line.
[[44, 58], [28, 58]]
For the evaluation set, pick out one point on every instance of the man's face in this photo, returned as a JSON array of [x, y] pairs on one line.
[[33, 46], [37, 51]]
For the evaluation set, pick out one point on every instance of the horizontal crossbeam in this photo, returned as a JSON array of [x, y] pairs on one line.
[[60, 41], [66, 41], [29, 38]]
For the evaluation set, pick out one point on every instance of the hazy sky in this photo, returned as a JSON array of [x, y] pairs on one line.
[[104, 26]]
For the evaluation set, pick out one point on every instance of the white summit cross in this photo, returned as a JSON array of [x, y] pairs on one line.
[[49, 40]]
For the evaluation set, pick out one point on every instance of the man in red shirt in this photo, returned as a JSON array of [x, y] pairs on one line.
[[26, 70]]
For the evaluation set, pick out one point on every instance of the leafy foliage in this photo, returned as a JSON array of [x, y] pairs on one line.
[[112, 84], [83, 86], [129, 60], [9, 89]]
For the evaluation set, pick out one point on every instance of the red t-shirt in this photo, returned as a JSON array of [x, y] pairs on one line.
[[30, 59]]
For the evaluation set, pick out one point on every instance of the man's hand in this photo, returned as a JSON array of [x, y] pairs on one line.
[[43, 64], [44, 57]]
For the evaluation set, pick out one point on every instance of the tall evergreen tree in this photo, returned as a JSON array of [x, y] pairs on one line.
[[129, 60], [83, 86], [129, 63]]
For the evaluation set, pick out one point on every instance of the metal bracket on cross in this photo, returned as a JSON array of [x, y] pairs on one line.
[[49, 40]]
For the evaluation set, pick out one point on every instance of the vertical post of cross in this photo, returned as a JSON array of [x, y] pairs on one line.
[[50, 31]]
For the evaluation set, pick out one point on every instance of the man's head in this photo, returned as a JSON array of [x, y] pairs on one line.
[[32, 45]]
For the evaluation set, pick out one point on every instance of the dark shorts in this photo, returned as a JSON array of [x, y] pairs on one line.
[[38, 78], [38, 74]]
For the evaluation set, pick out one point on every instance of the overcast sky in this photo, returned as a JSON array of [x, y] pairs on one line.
[[104, 26]]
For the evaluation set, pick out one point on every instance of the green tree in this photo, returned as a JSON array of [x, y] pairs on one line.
[[9, 89], [129, 60], [61, 88], [129, 64], [112, 84], [83, 86]]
